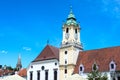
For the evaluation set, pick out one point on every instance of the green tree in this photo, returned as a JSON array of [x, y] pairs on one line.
[[96, 75], [15, 69], [9, 68]]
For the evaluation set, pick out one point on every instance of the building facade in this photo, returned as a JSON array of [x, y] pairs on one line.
[[45, 66], [59, 63]]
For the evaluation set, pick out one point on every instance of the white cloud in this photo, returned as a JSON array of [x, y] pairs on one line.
[[27, 48], [111, 7], [3, 51]]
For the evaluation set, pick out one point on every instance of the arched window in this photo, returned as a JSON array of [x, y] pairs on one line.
[[112, 66], [31, 75], [46, 74], [38, 75], [55, 74], [65, 52], [76, 31], [67, 30]]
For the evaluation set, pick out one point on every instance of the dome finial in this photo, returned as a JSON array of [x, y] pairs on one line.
[[71, 15], [71, 9]]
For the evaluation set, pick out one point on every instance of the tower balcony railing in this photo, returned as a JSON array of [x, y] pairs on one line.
[[67, 44]]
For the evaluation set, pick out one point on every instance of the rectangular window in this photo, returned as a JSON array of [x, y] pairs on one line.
[[65, 61], [55, 74], [38, 75], [67, 30], [112, 66], [65, 52], [80, 68], [46, 74], [76, 31], [31, 75], [65, 71]]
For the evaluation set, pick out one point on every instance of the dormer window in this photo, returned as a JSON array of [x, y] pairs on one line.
[[112, 66], [81, 69], [94, 67]]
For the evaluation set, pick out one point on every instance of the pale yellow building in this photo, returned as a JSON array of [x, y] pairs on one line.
[[70, 47]]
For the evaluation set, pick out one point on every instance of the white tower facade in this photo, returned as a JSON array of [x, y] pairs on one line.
[[70, 47]]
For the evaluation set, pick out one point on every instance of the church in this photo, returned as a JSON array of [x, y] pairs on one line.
[[59, 63]]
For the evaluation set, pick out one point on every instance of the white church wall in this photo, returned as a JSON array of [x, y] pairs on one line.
[[49, 65]]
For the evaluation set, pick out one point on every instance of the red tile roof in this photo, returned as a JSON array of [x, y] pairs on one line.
[[6, 72], [22, 72], [102, 57], [49, 52]]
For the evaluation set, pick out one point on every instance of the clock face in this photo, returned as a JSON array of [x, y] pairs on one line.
[[76, 36], [66, 35]]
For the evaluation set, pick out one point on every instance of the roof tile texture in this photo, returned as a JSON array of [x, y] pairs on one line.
[[102, 57], [22, 72], [49, 52]]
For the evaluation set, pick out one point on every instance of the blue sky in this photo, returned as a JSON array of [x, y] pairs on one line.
[[26, 25]]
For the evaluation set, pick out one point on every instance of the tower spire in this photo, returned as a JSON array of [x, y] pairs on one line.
[[19, 65]]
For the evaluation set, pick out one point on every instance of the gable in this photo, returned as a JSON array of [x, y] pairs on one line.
[[102, 57], [49, 52], [22, 72]]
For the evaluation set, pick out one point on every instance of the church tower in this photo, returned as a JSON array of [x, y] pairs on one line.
[[19, 65], [70, 47]]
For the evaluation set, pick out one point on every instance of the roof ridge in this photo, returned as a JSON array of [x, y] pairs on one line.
[[102, 57], [102, 48], [53, 53], [52, 46]]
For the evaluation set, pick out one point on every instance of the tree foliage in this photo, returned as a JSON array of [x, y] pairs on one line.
[[96, 75]]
